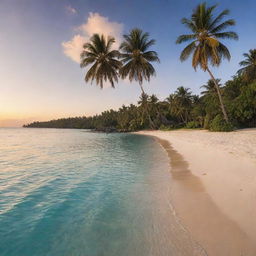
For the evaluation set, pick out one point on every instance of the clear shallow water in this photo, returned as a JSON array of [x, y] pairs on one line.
[[71, 192]]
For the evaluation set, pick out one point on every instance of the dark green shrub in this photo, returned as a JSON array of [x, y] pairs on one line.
[[170, 127], [218, 124], [193, 125], [165, 127]]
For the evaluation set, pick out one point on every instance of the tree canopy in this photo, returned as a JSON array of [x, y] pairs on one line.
[[103, 60]]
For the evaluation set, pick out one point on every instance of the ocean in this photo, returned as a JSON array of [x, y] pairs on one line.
[[67, 192]]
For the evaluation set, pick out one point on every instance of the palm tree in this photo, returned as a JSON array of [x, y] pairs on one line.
[[105, 65], [206, 46], [210, 87], [153, 103], [172, 106], [183, 101], [157, 109], [144, 105], [136, 57], [248, 71]]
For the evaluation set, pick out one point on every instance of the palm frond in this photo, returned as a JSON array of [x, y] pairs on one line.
[[223, 52], [248, 70], [185, 38], [86, 61], [226, 35], [187, 51], [218, 19], [244, 63], [241, 70], [147, 44], [223, 26], [151, 56], [110, 42], [189, 24]]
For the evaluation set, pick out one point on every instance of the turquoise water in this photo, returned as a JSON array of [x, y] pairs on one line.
[[72, 192]]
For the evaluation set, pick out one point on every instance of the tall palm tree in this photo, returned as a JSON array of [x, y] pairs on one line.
[[104, 61], [136, 57], [206, 47], [248, 70], [210, 87]]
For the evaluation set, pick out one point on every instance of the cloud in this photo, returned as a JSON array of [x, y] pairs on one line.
[[73, 48], [101, 25], [94, 24], [70, 10]]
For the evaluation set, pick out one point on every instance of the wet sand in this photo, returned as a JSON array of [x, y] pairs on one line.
[[215, 232], [213, 187]]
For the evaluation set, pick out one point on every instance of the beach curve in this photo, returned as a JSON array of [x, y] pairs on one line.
[[213, 211]]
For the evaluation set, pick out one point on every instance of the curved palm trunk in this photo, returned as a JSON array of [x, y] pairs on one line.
[[147, 111], [161, 116], [219, 95], [141, 87]]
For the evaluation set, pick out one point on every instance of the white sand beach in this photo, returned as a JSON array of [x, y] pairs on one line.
[[214, 187]]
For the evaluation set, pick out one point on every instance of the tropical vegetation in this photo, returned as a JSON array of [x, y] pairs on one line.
[[206, 48], [219, 107], [180, 109], [248, 70]]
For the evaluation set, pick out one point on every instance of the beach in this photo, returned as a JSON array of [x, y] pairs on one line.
[[213, 187]]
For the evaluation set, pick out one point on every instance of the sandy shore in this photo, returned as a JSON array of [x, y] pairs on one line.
[[214, 187]]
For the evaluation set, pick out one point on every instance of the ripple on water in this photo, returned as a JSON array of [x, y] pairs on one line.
[[69, 192]]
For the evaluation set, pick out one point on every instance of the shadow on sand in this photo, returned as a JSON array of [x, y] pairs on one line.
[[217, 233]]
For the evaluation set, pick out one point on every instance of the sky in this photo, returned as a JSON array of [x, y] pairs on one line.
[[40, 42]]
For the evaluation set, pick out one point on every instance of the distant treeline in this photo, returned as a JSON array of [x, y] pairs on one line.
[[180, 109]]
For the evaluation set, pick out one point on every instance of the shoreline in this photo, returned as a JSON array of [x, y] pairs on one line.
[[205, 193]]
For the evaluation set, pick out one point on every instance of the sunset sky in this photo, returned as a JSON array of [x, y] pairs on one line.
[[40, 42]]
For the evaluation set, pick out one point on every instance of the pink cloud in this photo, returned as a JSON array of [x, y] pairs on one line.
[[94, 24]]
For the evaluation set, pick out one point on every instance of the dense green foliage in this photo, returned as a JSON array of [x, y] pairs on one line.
[[218, 124], [248, 69], [180, 109]]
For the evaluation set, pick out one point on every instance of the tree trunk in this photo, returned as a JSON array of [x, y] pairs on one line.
[[149, 117], [219, 95], [141, 87]]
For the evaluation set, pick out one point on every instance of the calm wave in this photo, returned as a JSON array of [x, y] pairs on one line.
[[72, 192]]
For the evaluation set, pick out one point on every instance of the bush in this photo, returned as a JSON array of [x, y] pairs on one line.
[[165, 127], [218, 124], [193, 125], [170, 127]]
